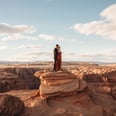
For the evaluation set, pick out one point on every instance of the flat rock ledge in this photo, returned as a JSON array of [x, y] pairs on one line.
[[61, 83]]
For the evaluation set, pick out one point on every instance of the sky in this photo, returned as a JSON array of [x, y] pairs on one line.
[[85, 30]]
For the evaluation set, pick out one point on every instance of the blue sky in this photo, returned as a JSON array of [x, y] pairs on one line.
[[85, 30]]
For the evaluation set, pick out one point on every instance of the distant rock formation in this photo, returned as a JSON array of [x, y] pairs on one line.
[[10, 106], [9, 81], [25, 74], [94, 73]]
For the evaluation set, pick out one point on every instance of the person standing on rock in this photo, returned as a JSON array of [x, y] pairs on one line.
[[55, 56], [59, 59]]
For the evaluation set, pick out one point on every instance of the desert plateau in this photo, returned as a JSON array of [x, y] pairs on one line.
[[79, 89]]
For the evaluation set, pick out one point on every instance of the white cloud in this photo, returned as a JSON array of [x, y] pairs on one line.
[[107, 55], [30, 46], [3, 47], [45, 53], [49, 37], [6, 28], [15, 36], [105, 27], [16, 32], [109, 13], [34, 56], [46, 37], [104, 56]]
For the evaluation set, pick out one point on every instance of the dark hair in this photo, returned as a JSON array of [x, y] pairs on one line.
[[57, 45]]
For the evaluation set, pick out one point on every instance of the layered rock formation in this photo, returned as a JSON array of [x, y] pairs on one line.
[[78, 90], [25, 74], [64, 94], [9, 81], [55, 84], [95, 73]]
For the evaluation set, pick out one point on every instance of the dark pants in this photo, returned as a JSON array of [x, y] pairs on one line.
[[54, 64]]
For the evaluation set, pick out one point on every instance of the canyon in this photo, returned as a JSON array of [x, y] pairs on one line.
[[79, 89]]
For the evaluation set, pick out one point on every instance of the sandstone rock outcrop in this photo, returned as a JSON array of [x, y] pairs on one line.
[[64, 94], [10, 106], [55, 84]]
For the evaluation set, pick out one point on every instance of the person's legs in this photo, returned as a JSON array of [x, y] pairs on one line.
[[59, 62], [58, 65], [54, 64]]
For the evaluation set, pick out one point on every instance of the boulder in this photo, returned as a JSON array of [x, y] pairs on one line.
[[10, 106]]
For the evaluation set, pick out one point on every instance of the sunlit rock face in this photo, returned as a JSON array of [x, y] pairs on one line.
[[59, 84], [68, 94], [92, 73]]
